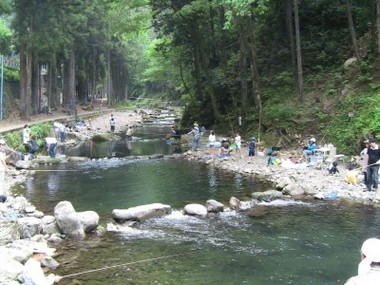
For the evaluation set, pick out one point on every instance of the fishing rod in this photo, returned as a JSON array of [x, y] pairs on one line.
[[125, 264], [48, 170], [369, 165]]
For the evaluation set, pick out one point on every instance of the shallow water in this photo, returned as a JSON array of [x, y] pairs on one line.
[[295, 243]]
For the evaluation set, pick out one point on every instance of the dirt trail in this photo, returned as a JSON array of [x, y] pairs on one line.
[[16, 123]]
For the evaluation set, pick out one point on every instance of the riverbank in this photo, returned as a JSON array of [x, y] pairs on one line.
[[299, 181]]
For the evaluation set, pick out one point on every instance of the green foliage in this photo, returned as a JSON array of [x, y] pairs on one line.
[[11, 74], [40, 131], [344, 131], [14, 140], [5, 39], [282, 116]]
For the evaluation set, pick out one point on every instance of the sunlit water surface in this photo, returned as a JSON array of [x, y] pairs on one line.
[[295, 243]]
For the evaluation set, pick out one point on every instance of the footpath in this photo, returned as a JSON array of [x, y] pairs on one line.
[[15, 123]]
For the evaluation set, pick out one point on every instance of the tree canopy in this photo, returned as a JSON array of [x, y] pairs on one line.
[[278, 64]]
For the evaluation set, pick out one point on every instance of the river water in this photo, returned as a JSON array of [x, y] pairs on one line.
[[294, 243]]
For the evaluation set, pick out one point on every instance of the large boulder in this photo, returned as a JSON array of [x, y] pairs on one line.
[[195, 210], [293, 190], [235, 203], [141, 213], [49, 225], [68, 220], [23, 164], [89, 220], [10, 269], [28, 226], [214, 206], [268, 195], [282, 182], [8, 232]]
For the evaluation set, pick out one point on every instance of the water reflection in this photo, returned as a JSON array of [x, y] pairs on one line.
[[147, 140]]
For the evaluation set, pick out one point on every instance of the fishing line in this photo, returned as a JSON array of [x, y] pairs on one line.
[[125, 264]]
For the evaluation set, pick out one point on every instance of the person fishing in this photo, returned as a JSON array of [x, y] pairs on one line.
[[33, 273], [373, 165], [369, 267]]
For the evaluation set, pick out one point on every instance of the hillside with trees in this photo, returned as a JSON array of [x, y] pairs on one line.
[[288, 68]]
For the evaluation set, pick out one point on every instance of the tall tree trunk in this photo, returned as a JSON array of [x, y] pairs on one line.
[[119, 75], [290, 29], [204, 62], [25, 82], [256, 76], [298, 48], [69, 83], [35, 85], [49, 86], [93, 81], [373, 24], [108, 80], [352, 30], [378, 27], [243, 67]]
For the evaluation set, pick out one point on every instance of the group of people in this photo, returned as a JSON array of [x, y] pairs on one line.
[[31, 145], [225, 147]]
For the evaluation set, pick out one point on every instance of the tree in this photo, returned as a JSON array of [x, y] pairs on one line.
[[298, 49], [352, 30]]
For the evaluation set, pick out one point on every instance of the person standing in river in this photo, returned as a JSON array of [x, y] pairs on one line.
[[51, 143], [373, 165]]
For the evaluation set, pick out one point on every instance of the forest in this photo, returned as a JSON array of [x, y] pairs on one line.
[[288, 68]]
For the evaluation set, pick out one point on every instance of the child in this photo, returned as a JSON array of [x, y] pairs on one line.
[[112, 123], [333, 168], [252, 148], [351, 175]]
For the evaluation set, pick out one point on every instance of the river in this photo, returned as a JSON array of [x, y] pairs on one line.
[[294, 243]]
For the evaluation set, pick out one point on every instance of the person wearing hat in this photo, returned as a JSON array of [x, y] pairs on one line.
[[3, 166], [310, 149], [33, 273], [373, 165], [369, 267], [196, 136]]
